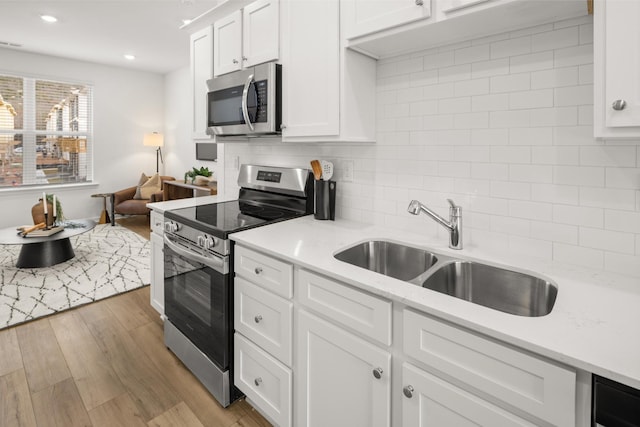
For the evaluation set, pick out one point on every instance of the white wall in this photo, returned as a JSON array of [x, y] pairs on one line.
[[127, 104], [503, 126], [180, 148]]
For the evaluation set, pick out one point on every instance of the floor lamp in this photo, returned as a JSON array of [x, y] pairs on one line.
[[155, 139]]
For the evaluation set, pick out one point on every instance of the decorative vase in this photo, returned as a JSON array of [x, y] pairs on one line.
[[37, 213], [201, 180]]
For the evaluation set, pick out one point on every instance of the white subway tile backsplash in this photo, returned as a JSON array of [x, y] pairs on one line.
[[495, 102], [540, 136], [560, 38], [608, 198], [611, 241], [621, 156], [573, 95], [531, 173], [556, 77], [454, 73], [555, 155], [510, 83], [503, 125], [511, 47], [495, 67], [511, 154], [533, 62], [531, 99]]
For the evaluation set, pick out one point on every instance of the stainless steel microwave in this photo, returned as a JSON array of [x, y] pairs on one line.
[[246, 102]]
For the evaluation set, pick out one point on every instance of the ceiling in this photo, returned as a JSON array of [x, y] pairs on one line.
[[103, 31]]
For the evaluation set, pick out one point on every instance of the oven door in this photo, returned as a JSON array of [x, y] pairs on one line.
[[197, 299]]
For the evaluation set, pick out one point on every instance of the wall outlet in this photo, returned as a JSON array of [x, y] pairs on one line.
[[347, 170]]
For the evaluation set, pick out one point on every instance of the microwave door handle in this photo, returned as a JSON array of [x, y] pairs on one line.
[[245, 96]]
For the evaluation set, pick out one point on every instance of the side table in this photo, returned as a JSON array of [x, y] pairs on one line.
[[104, 215]]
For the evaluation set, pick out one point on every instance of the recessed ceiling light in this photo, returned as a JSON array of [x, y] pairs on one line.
[[129, 56], [48, 18]]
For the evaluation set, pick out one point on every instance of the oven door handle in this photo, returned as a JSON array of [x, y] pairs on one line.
[[219, 264], [245, 100]]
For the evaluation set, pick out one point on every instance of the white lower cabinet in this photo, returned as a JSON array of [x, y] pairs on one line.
[[340, 379], [157, 263], [263, 379], [430, 401]]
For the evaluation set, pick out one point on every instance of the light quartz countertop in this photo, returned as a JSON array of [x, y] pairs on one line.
[[161, 207], [594, 325]]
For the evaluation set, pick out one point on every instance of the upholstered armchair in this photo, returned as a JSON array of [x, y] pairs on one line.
[[124, 203]]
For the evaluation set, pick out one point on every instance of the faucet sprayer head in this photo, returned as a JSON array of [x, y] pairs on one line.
[[414, 207]]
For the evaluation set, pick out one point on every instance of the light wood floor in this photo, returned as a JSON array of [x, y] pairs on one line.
[[105, 364]]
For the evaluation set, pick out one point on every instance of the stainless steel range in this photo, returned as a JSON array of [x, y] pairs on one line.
[[198, 265]]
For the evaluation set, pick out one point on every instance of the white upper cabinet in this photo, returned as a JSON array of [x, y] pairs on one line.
[[368, 16], [448, 6], [246, 37], [617, 68], [201, 70], [328, 92]]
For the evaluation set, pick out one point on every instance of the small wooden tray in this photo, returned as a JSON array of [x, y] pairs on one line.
[[44, 233]]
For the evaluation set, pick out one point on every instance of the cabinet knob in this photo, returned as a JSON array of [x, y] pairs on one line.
[[235, 61], [408, 391], [419, 2], [619, 104], [377, 373], [244, 58], [257, 381], [258, 270], [258, 318]]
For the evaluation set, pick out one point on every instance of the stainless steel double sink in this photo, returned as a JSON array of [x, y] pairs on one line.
[[498, 288]]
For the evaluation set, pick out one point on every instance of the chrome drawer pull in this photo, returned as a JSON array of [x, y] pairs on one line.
[[258, 270], [377, 373], [408, 391], [257, 381], [258, 318], [619, 104]]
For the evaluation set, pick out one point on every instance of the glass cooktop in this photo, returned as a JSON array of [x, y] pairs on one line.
[[220, 219]]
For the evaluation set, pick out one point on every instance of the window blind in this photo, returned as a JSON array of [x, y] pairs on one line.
[[46, 132]]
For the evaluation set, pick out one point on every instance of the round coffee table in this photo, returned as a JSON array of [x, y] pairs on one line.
[[46, 251]]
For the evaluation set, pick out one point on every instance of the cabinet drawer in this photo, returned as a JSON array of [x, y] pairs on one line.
[[543, 389], [157, 222], [268, 272], [265, 381], [264, 318], [430, 401], [361, 312]]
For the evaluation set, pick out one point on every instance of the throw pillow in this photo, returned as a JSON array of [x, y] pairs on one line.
[[143, 179], [150, 187]]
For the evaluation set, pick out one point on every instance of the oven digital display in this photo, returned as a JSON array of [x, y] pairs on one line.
[[269, 176]]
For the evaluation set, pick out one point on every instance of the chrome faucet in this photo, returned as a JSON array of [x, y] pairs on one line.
[[454, 225]]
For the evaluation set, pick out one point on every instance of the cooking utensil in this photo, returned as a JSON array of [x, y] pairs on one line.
[[327, 169], [317, 169]]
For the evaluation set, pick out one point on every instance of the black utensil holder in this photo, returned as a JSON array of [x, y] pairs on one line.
[[325, 192]]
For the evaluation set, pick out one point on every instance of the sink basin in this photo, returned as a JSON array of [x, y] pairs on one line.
[[505, 290], [388, 258]]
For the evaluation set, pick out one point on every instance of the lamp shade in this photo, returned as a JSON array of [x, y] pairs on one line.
[[154, 139]]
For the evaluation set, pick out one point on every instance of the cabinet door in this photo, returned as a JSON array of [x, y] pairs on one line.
[[227, 38], [311, 84], [449, 6], [341, 380], [260, 32], [430, 401], [157, 273], [367, 16], [622, 62], [201, 71]]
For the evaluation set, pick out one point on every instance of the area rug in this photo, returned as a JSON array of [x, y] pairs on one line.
[[109, 260]]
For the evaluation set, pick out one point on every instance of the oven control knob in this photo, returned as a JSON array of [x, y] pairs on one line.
[[171, 227], [209, 242]]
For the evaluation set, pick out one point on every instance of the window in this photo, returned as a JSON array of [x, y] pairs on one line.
[[46, 132]]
